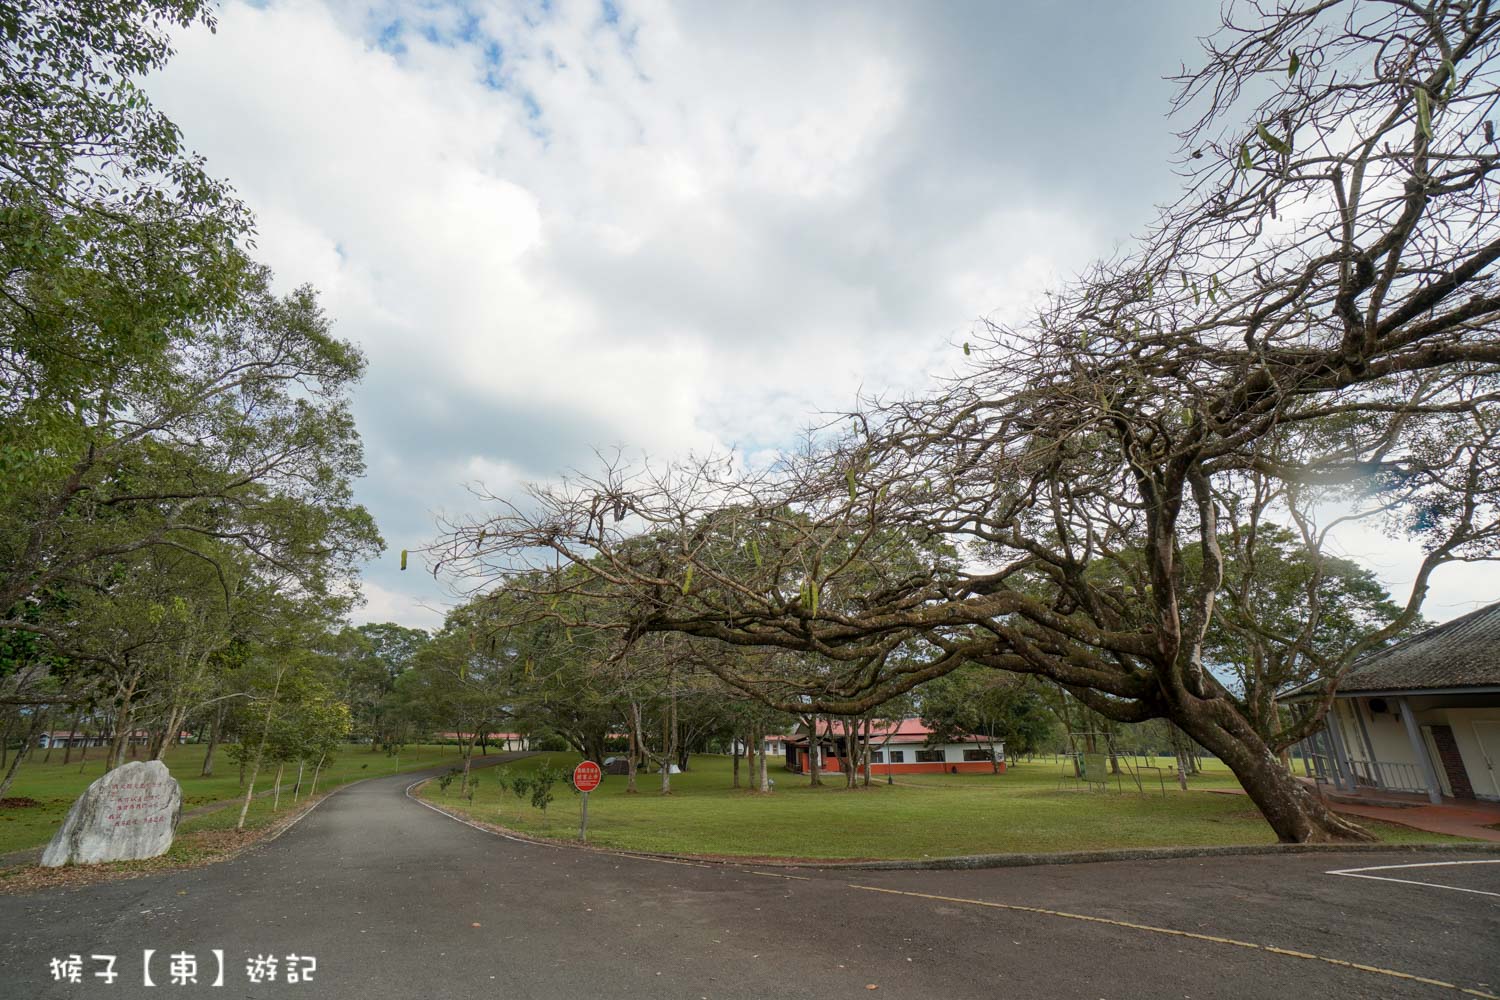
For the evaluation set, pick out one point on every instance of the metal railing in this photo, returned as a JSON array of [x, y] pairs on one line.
[[1387, 775], [1392, 776]]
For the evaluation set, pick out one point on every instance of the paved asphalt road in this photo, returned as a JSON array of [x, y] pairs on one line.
[[395, 900]]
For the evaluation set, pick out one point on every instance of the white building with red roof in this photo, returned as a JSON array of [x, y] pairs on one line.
[[501, 741], [904, 747]]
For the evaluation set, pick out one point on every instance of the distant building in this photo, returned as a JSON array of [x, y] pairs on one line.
[[501, 741], [775, 745], [1421, 716], [63, 738], [901, 748]]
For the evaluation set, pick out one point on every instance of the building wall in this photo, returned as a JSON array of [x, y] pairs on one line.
[[953, 760], [1387, 732], [832, 765], [953, 757], [1387, 735], [62, 741], [1342, 717], [1376, 740], [952, 752], [1462, 721], [937, 767]]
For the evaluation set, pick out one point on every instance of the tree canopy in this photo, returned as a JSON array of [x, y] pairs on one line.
[[177, 450], [1310, 329]]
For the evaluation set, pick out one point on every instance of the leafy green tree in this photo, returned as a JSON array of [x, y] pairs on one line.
[[319, 723], [542, 781], [1345, 357], [240, 433], [976, 701], [519, 786], [562, 680], [111, 231], [68, 84], [154, 391], [1287, 614], [457, 682], [293, 713], [114, 243], [176, 445], [371, 659]]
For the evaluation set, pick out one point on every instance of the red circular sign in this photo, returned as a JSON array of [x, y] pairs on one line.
[[587, 775]]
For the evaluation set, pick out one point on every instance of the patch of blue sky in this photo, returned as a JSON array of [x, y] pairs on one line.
[[389, 38], [534, 121], [493, 75], [458, 24], [609, 17], [445, 23], [543, 9], [449, 25]]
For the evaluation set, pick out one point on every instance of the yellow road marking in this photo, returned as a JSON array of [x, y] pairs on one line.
[[660, 861], [1393, 973], [795, 878]]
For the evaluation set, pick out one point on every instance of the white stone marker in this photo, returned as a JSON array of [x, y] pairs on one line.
[[128, 814]]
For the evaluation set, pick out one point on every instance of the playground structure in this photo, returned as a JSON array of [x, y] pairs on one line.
[[1093, 759]]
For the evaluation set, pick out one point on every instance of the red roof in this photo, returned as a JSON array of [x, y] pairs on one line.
[[905, 731]]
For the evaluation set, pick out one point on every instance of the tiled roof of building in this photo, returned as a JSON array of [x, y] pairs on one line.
[[1462, 653], [904, 731]]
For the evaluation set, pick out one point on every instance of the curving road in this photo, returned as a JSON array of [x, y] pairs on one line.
[[395, 900]]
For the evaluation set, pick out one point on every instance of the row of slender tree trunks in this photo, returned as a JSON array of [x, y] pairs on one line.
[[120, 723]]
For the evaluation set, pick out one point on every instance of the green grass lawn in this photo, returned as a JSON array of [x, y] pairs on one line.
[[1026, 809], [54, 786]]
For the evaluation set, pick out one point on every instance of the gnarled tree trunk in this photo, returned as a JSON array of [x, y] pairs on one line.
[[1293, 810]]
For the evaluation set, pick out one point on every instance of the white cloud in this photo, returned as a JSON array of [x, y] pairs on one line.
[[383, 605], [689, 229], [1454, 589]]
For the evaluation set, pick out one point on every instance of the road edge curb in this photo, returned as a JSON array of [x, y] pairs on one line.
[[966, 861]]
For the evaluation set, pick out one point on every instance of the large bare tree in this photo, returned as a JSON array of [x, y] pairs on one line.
[[1307, 338]]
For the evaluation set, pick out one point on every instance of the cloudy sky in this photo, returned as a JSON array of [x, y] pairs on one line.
[[559, 227]]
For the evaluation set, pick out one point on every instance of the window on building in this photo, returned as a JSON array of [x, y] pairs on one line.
[[877, 757], [976, 753], [898, 756], [929, 756]]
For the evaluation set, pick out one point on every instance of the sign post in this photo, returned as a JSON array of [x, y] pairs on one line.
[[586, 778]]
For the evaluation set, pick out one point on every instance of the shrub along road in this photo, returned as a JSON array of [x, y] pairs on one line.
[[395, 900]]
